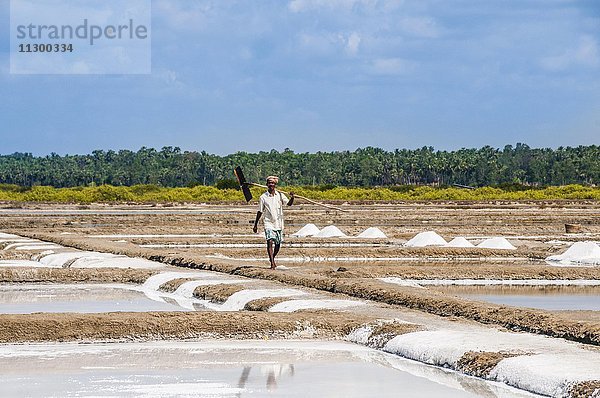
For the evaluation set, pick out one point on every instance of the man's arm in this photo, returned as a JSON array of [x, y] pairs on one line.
[[255, 227]]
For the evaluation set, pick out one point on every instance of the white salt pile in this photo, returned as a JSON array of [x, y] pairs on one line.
[[580, 253], [429, 238], [496, 243], [372, 233], [330, 231], [307, 230], [459, 242]]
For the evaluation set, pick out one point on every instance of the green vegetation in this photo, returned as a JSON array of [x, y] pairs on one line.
[[366, 167], [199, 193]]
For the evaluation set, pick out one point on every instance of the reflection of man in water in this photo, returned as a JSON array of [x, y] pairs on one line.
[[273, 372]]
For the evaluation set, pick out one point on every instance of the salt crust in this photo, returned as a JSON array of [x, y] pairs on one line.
[[580, 253], [26, 245], [155, 281], [543, 365], [490, 282], [307, 230], [237, 301], [496, 243], [296, 305], [330, 231], [22, 263], [548, 374], [459, 242], [428, 238], [372, 233]]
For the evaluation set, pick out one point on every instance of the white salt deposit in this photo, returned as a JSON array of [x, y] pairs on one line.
[[116, 262], [580, 253], [491, 282], [446, 347], [429, 238], [496, 243], [29, 245], [459, 241], [307, 230], [402, 282], [155, 281], [38, 247], [330, 231], [21, 263], [17, 240], [60, 259], [9, 236], [372, 233], [548, 374], [296, 305], [238, 300]]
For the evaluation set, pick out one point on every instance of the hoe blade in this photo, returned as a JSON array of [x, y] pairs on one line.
[[243, 183]]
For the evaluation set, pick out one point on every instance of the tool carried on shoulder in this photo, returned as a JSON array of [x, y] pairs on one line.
[[245, 186]]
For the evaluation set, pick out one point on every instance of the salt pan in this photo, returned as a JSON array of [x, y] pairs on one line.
[[307, 230], [429, 238], [372, 233], [330, 231], [459, 242], [496, 243]]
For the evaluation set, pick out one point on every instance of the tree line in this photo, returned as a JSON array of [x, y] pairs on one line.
[[171, 167]]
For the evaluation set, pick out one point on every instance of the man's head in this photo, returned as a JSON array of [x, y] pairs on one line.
[[272, 182]]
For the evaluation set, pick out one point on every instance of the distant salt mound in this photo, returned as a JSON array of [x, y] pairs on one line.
[[584, 253], [307, 230], [372, 233], [330, 231], [496, 243], [459, 241], [429, 238]]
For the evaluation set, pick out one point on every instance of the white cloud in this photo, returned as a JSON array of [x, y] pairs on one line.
[[585, 54], [392, 66], [192, 16], [352, 43], [305, 5], [420, 27]]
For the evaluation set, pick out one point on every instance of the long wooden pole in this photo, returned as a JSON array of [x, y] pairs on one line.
[[301, 197]]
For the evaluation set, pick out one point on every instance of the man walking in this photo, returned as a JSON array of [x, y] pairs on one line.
[[271, 205]]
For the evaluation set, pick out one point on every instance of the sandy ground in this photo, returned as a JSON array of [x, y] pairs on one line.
[[219, 238]]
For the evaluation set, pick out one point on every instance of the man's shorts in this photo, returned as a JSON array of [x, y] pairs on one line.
[[275, 235]]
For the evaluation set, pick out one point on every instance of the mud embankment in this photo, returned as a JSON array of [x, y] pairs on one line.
[[41, 327]]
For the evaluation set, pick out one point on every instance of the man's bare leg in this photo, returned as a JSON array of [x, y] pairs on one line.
[[271, 252]]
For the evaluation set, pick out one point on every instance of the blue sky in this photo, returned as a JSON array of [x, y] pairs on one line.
[[327, 75]]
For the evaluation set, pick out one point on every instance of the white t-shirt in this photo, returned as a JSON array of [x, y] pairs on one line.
[[272, 208]]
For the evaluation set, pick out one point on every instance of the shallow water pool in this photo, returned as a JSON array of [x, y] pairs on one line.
[[87, 298], [541, 297], [227, 369]]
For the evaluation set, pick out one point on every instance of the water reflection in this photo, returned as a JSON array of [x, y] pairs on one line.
[[272, 373]]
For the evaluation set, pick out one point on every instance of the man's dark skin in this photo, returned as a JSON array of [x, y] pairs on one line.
[[272, 248]]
